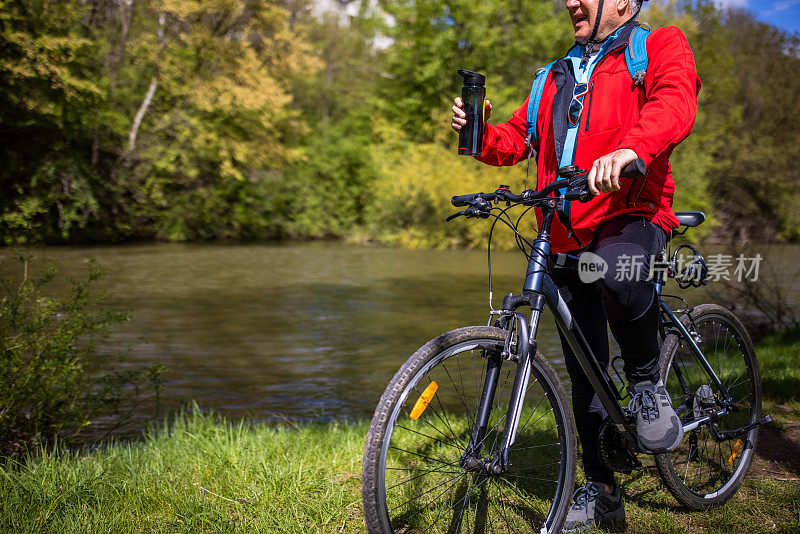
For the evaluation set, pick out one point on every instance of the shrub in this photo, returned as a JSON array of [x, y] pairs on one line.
[[411, 196], [53, 379]]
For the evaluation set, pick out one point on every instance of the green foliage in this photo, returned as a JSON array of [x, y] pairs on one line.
[[755, 171], [506, 41], [220, 124], [216, 119], [149, 119], [411, 197], [196, 473], [45, 71], [53, 378], [203, 473], [778, 355], [329, 189]]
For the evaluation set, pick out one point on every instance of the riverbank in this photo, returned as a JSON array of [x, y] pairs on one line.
[[202, 473]]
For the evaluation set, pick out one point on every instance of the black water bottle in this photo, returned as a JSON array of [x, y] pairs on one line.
[[473, 94]]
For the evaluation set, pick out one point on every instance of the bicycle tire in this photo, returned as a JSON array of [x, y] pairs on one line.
[[412, 480], [702, 473]]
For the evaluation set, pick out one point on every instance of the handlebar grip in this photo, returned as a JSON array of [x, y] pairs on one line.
[[464, 200], [634, 169]]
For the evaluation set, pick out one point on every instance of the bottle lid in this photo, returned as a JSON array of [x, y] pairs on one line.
[[472, 78]]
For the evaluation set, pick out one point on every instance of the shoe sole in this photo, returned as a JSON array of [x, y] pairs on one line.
[[660, 450], [612, 520]]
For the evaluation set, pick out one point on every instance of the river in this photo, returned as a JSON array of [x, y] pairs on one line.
[[304, 331]]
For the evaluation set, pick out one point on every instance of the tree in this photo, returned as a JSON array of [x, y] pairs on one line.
[[505, 40], [754, 177], [46, 70]]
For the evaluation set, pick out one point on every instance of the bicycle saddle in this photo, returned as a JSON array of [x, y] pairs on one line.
[[691, 218]]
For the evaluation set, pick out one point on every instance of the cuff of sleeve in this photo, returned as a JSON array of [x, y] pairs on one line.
[[486, 142], [641, 150]]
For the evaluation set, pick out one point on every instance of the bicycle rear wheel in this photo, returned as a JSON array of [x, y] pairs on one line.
[[412, 478], [704, 472]]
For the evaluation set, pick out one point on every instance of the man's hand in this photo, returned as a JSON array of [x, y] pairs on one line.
[[460, 117], [604, 175]]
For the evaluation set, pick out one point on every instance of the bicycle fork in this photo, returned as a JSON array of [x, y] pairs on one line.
[[526, 348]]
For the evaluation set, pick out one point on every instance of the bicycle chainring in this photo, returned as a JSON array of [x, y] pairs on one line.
[[617, 451]]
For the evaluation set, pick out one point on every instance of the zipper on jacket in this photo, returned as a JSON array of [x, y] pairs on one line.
[[587, 52], [589, 107]]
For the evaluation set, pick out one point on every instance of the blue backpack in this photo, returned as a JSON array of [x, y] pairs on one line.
[[635, 57]]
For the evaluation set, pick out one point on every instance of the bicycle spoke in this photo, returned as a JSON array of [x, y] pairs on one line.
[[536, 446], [455, 388], [417, 469], [425, 420], [446, 422], [542, 432], [537, 466], [423, 456], [535, 409], [425, 493], [505, 519], [422, 474], [530, 477], [431, 437], [526, 500], [461, 379], [441, 511], [457, 521]]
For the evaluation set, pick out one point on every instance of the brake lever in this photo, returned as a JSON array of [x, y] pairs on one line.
[[471, 212], [455, 215]]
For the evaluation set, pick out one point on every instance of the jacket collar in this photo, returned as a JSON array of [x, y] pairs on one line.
[[619, 37], [565, 85]]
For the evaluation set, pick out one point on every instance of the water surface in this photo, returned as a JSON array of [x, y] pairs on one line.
[[302, 331]]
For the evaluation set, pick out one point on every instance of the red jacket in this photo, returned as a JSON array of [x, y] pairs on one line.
[[617, 114]]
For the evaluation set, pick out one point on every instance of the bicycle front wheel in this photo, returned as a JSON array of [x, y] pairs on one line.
[[413, 479], [708, 467]]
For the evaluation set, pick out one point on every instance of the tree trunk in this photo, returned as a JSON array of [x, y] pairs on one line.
[[112, 63], [148, 98], [137, 120]]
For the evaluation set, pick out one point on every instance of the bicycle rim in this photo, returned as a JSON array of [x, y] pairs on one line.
[[703, 471], [421, 484]]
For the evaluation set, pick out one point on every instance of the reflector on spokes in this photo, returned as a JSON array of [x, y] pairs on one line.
[[424, 400]]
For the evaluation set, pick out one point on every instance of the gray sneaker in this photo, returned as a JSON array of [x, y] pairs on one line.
[[595, 507], [657, 424]]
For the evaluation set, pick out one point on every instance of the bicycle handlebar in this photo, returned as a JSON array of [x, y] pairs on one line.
[[633, 169]]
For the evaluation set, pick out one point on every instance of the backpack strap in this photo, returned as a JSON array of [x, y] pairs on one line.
[[635, 57], [636, 54], [534, 100]]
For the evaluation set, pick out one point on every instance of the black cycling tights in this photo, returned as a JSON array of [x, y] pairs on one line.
[[624, 298]]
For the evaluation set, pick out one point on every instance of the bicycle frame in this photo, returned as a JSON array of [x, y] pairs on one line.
[[540, 290]]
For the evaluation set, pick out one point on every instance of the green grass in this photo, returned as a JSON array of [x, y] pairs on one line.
[[203, 474]]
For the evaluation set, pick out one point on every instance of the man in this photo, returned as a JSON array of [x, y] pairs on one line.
[[594, 115]]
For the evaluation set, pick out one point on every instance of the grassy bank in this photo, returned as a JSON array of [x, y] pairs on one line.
[[203, 474]]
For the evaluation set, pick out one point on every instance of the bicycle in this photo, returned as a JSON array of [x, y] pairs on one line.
[[475, 433]]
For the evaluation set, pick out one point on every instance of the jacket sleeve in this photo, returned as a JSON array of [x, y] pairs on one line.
[[672, 84], [504, 144]]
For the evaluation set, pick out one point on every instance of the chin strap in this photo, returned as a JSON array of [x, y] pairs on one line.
[[596, 22], [591, 42]]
